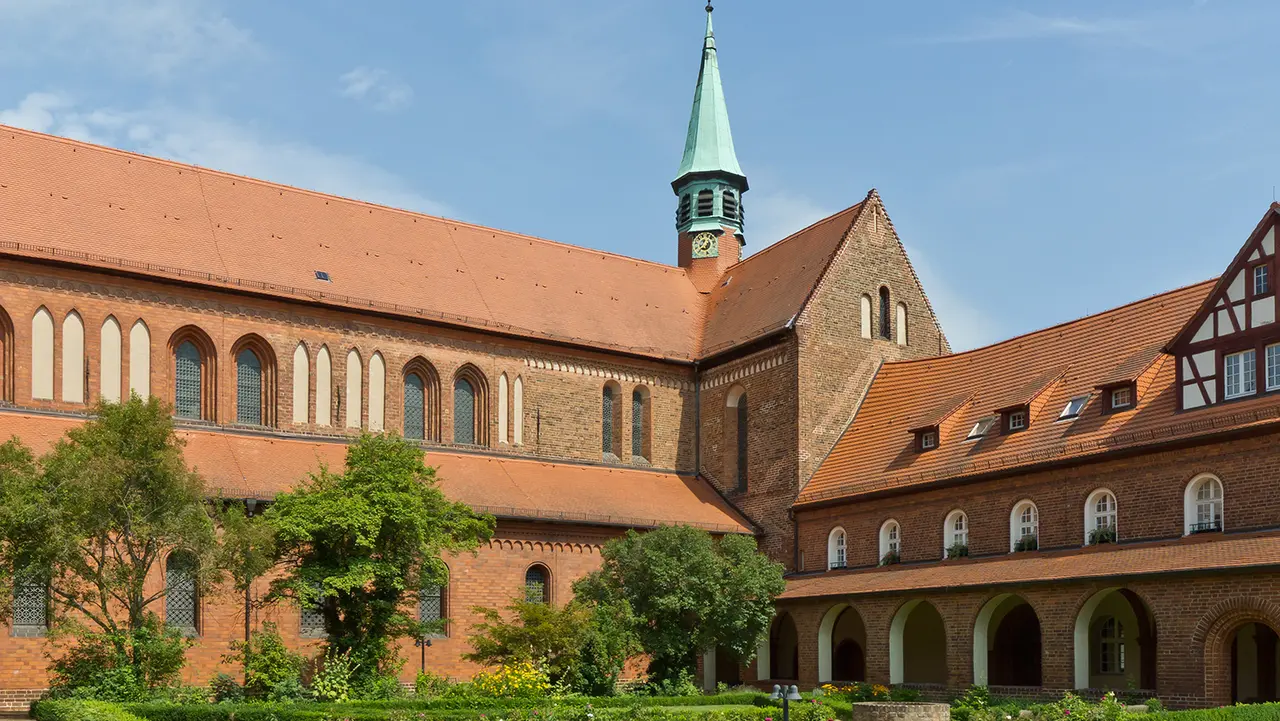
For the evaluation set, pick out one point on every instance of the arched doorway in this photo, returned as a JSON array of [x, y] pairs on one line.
[[1006, 643], [784, 649], [1115, 642], [1255, 664], [918, 645], [842, 640]]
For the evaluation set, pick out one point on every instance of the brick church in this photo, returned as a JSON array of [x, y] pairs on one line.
[[1085, 506]]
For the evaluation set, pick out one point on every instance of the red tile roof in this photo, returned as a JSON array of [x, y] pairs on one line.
[[764, 292], [75, 202], [875, 453], [1189, 554], [244, 465]]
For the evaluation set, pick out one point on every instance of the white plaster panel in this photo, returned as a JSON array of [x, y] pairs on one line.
[[377, 392], [865, 316], [140, 359], [902, 324], [518, 410], [1191, 396], [301, 383], [1224, 323], [502, 408], [73, 359], [1211, 387], [324, 387], [1264, 311], [1186, 367], [1257, 255], [1205, 331], [355, 373], [1235, 291], [1269, 241], [1205, 362], [109, 360]]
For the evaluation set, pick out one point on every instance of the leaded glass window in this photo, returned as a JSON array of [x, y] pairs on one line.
[[30, 605], [742, 442], [536, 589], [187, 380], [311, 618], [637, 424], [431, 607], [1111, 647], [464, 412], [885, 329], [606, 422], [248, 388], [415, 402], [180, 600]]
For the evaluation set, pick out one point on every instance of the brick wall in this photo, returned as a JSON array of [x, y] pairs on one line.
[[1148, 489], [492, 577], [562, 389]]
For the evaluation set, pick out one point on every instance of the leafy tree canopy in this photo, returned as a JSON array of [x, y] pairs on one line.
[[100, 512], [360, 544], [688, 592]]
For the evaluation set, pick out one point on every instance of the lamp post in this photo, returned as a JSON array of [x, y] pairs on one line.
[[786, 694], [422, 643]]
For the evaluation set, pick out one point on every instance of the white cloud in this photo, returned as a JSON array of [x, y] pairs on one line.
[[1023, 25], [219, 143], [376, 86], [139, 37], [773, 216]]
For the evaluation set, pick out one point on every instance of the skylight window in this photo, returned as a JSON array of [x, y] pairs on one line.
[[981, 427], [1073, 407], [323, 275]]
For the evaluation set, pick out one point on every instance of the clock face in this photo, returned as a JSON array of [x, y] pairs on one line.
[[704, 246]]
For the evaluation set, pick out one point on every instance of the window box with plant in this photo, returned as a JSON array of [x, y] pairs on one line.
[[1105, 534], [957, 550], [890, 558], [1029, 542]]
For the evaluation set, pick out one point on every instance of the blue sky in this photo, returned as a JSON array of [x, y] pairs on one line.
[[1041, 160]]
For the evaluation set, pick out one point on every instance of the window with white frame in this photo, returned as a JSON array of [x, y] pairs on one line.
[[1203, 504], [1024, 527], [1111, 646], [981, 427], [928, 440], [836, 548], [955, 533], [1100, 517], [890, 542], [1122, 397], [1073, 407], [1017, 420], [1261, 280], [1239, 370], [1273, 367]]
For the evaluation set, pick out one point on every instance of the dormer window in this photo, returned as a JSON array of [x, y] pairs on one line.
[[928, 440], [1073, 407], [1119, 398], [981, 428], [1017, 420], [1261, 280], [1241, 374]]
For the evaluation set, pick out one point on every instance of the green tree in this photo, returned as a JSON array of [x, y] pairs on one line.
[[101, 512], [688, 593], [361, 543]]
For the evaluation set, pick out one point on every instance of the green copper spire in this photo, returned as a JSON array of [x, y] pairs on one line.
[[710, 182], [708, 148]]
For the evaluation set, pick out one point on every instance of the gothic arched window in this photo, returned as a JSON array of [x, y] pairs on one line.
[[537, 586], [188, 379], [464, 412], [248, 388], [886, 329], [415, 404], [181, 601]]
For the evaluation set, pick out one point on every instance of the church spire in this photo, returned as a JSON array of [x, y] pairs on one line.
[[710, 183]]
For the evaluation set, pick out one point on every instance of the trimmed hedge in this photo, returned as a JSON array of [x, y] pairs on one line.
[[1252, 712], [636, 709]]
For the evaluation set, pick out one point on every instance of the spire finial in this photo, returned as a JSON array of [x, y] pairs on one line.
[[709, 8]]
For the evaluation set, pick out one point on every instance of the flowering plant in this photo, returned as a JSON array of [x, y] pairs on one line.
[[518, 679]]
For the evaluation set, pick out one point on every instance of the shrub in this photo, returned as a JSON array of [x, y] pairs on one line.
[[287, 690], [80, 711], [1154, 705], [890, 558], [680, 684], [429, 685], [332, 682], [266, 659], [1106, 534], [121, 666], [958, 550], [904, 694], [1029, 542], [226, 689], [383, 687], [520, 679]]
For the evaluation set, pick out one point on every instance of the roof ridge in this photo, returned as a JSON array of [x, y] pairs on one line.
[[1027, 334], [793, 236], [321, 194]]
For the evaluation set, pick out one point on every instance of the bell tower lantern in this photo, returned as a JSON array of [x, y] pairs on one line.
[[710, 183]]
